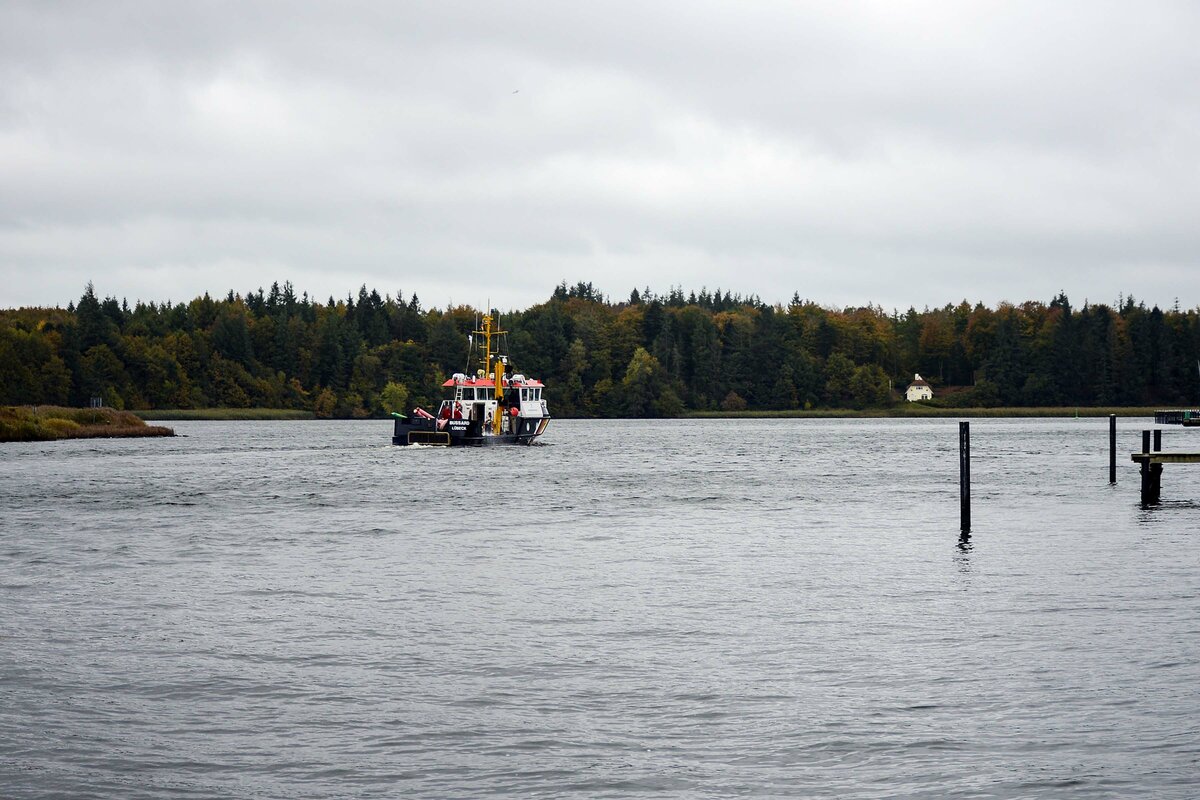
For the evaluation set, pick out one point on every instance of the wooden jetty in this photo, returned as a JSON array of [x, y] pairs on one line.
[[1152, 458]]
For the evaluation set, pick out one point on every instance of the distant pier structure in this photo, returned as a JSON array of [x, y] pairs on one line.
[[1188, 418]]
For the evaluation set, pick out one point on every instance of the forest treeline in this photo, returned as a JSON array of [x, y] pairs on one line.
[[648, 355]]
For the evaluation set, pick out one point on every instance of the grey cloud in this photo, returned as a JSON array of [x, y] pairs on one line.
[[899, 153]]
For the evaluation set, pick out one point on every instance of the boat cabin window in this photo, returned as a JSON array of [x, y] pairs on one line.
[[537, 394], [476, 393]]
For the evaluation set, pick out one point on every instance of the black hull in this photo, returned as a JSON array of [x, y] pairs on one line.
[[425, 432]]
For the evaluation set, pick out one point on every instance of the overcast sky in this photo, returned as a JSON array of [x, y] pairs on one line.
[[896, 153]]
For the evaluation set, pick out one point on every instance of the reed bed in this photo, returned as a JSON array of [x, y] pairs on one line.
[[47, 423], [226, 414]]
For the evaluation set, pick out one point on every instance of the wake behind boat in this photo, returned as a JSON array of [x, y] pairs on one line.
[[492, 407]]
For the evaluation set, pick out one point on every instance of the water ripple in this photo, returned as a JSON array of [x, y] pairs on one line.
[[688, 608]]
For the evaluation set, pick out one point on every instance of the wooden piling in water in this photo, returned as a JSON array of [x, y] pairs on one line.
[[1112, 448], [1145, 468], [1156, 470], [964, 475]]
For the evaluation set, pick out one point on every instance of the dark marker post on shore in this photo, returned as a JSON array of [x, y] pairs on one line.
[[964, 474]]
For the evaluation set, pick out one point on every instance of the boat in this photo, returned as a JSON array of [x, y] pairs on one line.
[[494, 406]]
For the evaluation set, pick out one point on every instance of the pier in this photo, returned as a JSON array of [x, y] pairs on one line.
[[1186, 418], [1152, 458]]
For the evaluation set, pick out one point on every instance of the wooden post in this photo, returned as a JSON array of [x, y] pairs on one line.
[[964, 474], [1112, 448], [1156, 470], [1145, 467]]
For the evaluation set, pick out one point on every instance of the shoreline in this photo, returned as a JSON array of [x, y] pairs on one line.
[[223, 414], [931, 412], [895, 412]]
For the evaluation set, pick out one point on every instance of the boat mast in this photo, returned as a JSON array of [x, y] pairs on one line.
[[487, 333]]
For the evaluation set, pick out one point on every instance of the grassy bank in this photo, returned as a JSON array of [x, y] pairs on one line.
[[223, 414], [46, 423], [908, 410], [918, 411]]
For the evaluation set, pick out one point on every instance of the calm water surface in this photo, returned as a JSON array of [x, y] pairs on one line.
[[683, 608]]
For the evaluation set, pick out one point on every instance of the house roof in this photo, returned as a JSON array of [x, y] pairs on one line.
[[918, 383]]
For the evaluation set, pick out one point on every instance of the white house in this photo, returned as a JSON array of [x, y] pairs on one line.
[[918, 390]]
